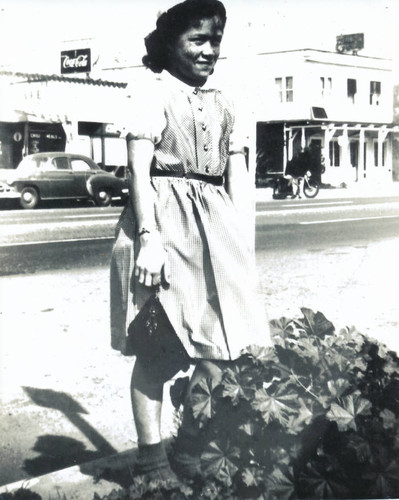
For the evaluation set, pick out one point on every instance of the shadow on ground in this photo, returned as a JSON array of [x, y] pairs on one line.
[[56, 453], [59, 452]]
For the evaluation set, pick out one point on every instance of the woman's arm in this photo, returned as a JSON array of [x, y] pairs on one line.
[[241, 191], [152, 256]]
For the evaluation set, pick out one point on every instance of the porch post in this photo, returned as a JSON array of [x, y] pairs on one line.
[[382, 134], [346, 164], [285, 148], [361, 166], [25, 149], [328, 135], [290, 145]]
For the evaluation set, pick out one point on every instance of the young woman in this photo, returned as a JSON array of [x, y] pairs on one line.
[[185, 231]]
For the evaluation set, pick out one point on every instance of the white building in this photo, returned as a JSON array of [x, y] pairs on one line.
[[341, 102]]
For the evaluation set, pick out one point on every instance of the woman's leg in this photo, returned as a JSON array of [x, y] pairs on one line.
[[146, 394]]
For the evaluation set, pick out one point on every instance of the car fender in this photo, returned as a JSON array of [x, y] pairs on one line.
[[19, 185], [97, 181]]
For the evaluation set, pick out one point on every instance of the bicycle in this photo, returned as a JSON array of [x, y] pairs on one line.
[[284, 186]]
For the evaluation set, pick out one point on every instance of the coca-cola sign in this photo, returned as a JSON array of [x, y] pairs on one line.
[[75, 61]]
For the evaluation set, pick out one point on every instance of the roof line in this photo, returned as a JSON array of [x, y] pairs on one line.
[[322, 51], [38, 77]]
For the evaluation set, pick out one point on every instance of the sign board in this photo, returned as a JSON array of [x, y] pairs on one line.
[[350, 43], [75, 61]]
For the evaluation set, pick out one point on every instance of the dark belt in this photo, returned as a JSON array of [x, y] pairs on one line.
[[216, 180]]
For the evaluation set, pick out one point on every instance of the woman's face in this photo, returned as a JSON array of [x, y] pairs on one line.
[[194, 54]]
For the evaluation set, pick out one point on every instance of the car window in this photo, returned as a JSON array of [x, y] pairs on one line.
[[44, 164], [79, 165], [60, 163], [28, 165]]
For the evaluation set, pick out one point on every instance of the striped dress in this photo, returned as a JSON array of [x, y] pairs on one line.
[[212, 301]]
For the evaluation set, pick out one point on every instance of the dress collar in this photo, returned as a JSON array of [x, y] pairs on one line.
[[175, 83]]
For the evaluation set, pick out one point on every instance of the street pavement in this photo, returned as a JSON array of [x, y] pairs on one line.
[[59, 376]]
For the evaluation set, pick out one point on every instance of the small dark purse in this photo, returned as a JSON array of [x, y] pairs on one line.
[[152, 338]]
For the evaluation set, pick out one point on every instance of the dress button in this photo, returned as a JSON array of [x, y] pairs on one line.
[[203, 126], [200, 108], [207, 169], [206, 148], [195, 91]]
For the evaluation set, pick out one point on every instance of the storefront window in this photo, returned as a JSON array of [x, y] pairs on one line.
[[46, 137]]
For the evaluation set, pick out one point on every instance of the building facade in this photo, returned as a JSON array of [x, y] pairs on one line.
[[340, 103], [59, 113]]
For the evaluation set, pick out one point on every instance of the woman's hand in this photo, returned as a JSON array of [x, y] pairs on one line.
[[152, 263]]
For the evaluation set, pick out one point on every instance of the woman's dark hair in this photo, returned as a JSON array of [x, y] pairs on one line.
[[172, 23]]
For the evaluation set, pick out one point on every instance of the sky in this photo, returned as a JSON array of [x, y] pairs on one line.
[[33, 31]]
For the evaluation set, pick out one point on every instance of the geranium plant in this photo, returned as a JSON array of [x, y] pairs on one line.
[[314, 416]]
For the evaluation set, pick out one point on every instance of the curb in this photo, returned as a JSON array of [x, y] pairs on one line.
[[81, 482]]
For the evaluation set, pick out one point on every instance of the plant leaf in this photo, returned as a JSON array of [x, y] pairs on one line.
[[249, 428], [281, 484], [274, 407], [260, 354], [309, 349], [316, 324], [233, 391], [281, 327], [322, 484], [203, 400], [360, 447], [237, 385], [338, 387], [345, 411], [384, 482], [296, 423], [253, 476], [388, 419], [210, 491], [218, 459]]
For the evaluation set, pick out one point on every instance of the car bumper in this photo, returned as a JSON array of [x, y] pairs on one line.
[[7, 192]]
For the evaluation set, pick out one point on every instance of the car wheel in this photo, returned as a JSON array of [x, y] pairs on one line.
[[103, 197], [29, 197]]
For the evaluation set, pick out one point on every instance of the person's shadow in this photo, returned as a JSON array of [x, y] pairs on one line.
[[59, 452]]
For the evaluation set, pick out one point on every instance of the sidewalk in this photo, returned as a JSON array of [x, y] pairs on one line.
[[355, 190], [362, 273]]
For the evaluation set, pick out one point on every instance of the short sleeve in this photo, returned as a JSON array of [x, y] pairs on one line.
[[142, 113]]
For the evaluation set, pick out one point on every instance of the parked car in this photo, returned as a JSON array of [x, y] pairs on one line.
[[8, 192], [55, 176]]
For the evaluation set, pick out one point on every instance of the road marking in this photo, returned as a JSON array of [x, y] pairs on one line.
[[313, 209], [319, 204], [43, 242], [50, 226], [88, 216], [352, 219]]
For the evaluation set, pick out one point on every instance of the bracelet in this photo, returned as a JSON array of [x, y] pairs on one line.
[[143, 230]]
